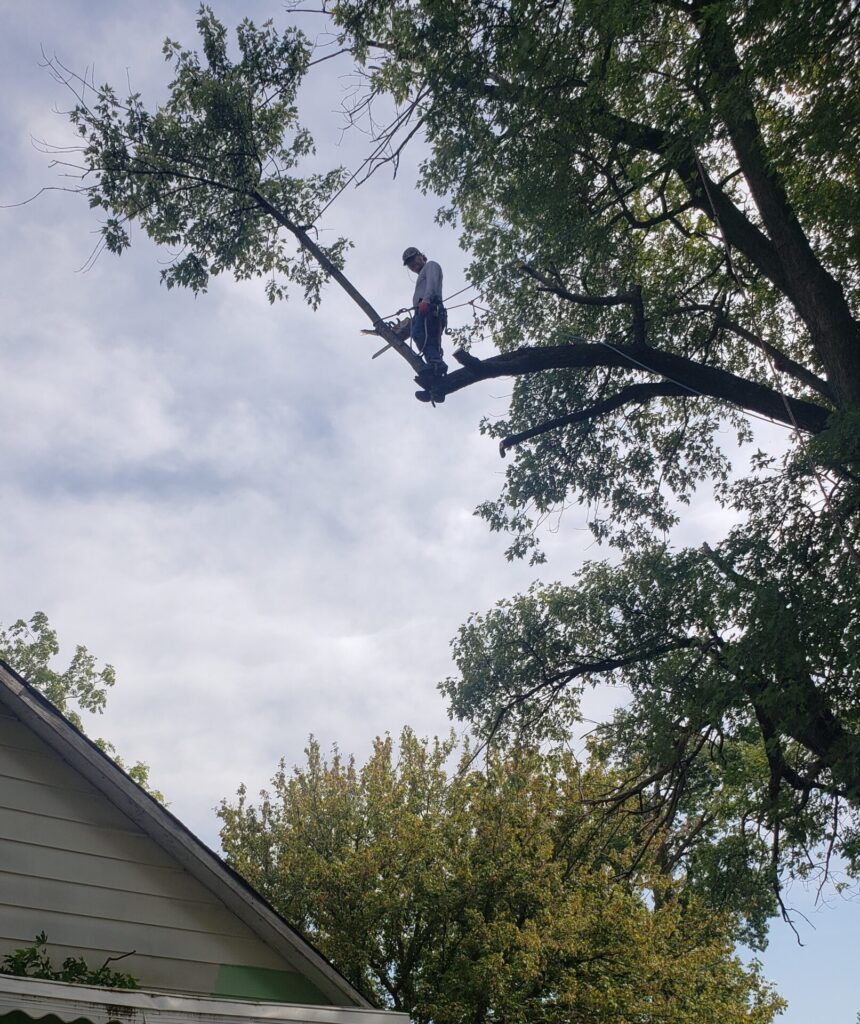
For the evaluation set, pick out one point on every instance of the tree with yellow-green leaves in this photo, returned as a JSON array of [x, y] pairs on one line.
[[487, 892]]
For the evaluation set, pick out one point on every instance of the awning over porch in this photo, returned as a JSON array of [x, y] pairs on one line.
[[69, 1003]]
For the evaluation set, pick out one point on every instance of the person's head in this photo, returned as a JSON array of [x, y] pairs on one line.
[[414, 258]]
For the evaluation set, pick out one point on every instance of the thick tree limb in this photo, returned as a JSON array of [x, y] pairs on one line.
[[809, 720], [815, 293], [696, 378]]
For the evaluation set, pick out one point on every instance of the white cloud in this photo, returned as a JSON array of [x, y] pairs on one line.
[[257, 524]]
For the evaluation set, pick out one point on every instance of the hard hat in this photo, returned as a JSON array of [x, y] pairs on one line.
[[410, 254]]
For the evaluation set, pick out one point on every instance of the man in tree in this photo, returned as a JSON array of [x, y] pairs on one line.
[[428, 320]]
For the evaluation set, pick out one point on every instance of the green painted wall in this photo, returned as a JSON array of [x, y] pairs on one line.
[[266, 984]]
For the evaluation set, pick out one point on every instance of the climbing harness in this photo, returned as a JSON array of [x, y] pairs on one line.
[[398, 326]]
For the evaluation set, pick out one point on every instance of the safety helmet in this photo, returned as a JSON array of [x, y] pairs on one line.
[[410, 254]]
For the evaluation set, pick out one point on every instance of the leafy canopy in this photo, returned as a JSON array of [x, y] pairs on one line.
[[203, 173], [484, 894]]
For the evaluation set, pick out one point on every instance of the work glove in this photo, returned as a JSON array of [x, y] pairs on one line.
[[423, 307]]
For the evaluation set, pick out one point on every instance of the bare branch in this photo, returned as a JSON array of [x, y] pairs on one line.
[[633, 393], [620, 299]]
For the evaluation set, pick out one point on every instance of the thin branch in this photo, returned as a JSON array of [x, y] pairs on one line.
[[783, 362], [307, 243], [620, 299], [634, 393], [329, 56], [113, 959]]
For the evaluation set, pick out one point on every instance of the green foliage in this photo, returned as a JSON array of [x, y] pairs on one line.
[[742, 673], [593, 144], [34, 962], [683, 147], [485, 894], [30, 648], [211, 173]]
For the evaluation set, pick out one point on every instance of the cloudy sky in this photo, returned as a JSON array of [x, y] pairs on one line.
[[230, 502]]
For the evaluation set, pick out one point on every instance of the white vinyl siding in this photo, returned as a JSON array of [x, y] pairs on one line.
[[74, 866]]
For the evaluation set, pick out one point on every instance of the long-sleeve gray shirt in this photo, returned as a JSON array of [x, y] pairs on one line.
[[429, 283]]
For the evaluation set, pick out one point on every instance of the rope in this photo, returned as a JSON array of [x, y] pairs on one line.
[[408, 309], [460, 292]]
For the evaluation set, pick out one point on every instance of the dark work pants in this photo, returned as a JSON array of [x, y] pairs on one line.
[[427, 334]]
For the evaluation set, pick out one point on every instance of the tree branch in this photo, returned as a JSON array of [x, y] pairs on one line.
[[705, 194], [631, 393], [547, 285], [696, 378], [815, 293], [559, 680], [381, 328], [783, 363]]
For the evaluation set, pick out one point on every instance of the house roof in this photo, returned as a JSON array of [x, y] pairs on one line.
[[164, 828]]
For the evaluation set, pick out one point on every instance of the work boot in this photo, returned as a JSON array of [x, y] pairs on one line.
[[426, 375], [432, 370], [436, 397]]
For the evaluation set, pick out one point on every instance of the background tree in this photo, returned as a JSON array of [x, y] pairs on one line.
[[741, 774], [484, 894], [30, 648]]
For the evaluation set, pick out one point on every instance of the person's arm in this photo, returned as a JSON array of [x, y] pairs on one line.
[[432, 280]]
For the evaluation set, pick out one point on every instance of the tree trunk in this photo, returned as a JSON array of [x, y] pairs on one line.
[[813, 291]]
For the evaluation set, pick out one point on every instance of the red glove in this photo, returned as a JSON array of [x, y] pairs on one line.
[[423, 307]]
